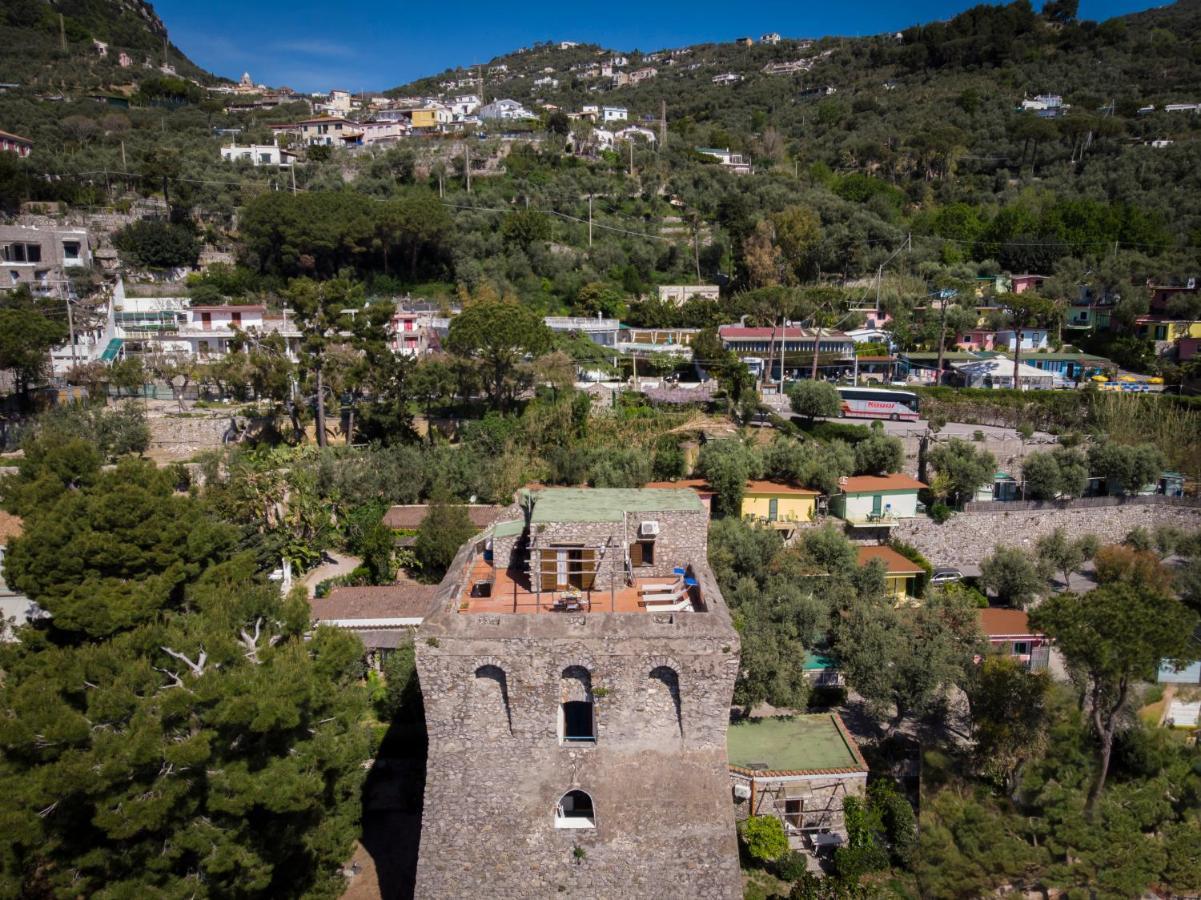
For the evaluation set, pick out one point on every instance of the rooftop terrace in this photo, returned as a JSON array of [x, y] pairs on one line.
[[487, 589], [793, 745]]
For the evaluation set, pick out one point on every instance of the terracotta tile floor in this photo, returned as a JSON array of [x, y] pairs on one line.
[[513, 595]]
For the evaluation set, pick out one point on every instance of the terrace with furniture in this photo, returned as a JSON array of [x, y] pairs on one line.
[[578, 550]]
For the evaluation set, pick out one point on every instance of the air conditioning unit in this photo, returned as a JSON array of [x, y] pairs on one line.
[[742, 791], [648, 529]]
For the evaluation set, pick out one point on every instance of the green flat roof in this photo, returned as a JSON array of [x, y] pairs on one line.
[[508, 529], [1029, 356], [608, 504], [790, 744], [953, 354]]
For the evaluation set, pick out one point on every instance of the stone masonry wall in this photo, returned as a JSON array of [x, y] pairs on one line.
[[966, 538], [682, 537], [657, 773]]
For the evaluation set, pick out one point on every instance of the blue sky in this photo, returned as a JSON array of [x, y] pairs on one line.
[[376, 44]]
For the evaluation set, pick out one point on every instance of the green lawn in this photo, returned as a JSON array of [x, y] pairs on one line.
[[789, 743]]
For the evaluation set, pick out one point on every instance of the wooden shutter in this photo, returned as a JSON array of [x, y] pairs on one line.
[[548, 570], [587, 569], [636, 554]]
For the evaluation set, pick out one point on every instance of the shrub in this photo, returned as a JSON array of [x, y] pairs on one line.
[[763, 837], [792, 866], [158, 245], [940, 512], [814, 398], [977, 435], [1140, 539], [443, 531]]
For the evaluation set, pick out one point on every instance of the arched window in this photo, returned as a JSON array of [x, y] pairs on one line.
[[663, 702], [575, 810], [491, 703], [577, 718]]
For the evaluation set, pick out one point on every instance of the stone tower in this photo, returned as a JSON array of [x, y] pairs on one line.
[[577, 673]]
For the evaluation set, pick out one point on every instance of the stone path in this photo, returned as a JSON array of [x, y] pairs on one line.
[[334, 564]]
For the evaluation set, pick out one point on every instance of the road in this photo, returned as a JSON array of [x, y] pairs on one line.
[[951, 429]]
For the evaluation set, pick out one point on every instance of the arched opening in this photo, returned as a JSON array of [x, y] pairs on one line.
[[664, 700], [575, 810], [492, 703], [577, 716]]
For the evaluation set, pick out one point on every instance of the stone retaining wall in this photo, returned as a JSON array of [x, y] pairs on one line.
[[966, 538]]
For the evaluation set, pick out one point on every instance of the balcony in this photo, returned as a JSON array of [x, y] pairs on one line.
[[872, 520]]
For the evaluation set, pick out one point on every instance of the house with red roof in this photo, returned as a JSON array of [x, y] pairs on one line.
[[900, 573], [876, 501], [1009, 633]]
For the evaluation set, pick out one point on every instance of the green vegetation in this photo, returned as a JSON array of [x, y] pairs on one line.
[[763, 837], [170, 725]]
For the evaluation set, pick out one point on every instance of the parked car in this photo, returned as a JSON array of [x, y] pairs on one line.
[[946, 576]]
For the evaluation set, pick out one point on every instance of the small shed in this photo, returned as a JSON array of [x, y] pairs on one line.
[[1002, 487], [800, 769]]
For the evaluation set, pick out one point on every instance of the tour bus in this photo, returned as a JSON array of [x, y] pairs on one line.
[[874, 403]]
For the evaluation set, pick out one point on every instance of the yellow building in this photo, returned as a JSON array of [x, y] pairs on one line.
[[774, 501], [900, 579], [1170, 330], [430, 117]]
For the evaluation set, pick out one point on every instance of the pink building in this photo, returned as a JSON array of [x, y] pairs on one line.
[[1022, 283], [12, 143], [1009, 633]]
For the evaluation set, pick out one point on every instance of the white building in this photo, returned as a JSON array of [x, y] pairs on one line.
[[505, 110], [731, 162], [1043, 103], [679, 294], [771, 37], [464, 105], [632, 132], [258, 154], [726, 78], [614, 114], [338, 102], [602, 331]]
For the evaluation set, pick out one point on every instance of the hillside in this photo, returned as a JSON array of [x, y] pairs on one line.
[[931, 115], [60, 53]]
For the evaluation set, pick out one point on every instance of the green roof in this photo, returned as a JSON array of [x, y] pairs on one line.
[[791, 744], [508, 529], [608, 504], [953, 355], [1029, 356]]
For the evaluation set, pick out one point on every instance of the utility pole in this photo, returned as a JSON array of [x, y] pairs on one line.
[[631, 143], [589, 219], [817, 342], [123, 168], [662, 123], [292, 169], [942, 338], [62, 34], [71, 327], [467, 165]]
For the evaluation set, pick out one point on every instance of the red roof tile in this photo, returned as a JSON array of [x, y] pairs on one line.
[[894, 561], [866, 484], [389, 601]]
